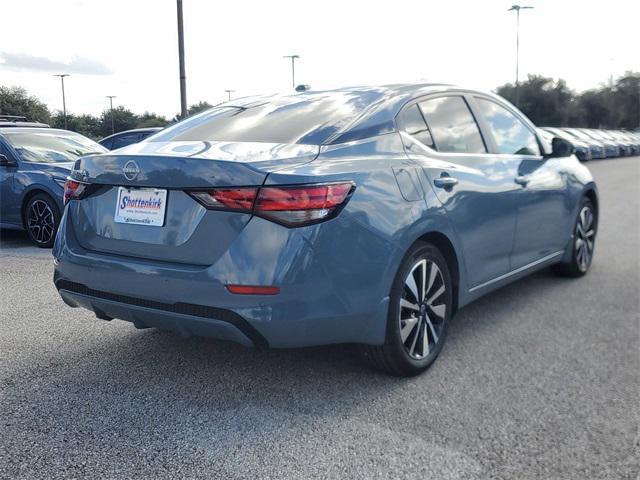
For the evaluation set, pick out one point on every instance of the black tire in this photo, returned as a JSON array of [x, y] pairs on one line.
[[412, 355], [41, 220], [582, 242]]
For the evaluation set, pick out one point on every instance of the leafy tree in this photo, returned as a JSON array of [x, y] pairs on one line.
[[543, 100], [16, 101], [123, 119], [87, 125], [148, 119], [552, 103], [199, 107], [596, 105], [626, 101]]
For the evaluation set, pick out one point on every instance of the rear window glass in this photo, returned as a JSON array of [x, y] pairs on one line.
[[51, 147], [304, 119]]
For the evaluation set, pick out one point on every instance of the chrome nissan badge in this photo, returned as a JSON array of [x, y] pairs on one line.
[[130, 170]]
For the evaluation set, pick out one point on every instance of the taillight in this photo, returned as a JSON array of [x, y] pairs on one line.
[[301, 205], [73, 190], [292, 206], [238, 199]]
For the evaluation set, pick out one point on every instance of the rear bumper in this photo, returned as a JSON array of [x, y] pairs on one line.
[[186, 319], [316, 305]]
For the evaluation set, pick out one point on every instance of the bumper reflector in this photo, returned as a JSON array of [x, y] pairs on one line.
[[253, 290]]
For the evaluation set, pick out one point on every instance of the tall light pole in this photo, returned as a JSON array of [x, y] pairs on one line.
[[183, 77], [64, 101], [517, 9], [229, 92], [113, 128], [293, 68]]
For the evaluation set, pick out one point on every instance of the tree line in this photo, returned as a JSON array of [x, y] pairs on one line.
[[16, 101], [551, 103], [547, 102]]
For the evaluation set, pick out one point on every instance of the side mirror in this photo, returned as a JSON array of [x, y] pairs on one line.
[[4, 161], [561, 147]]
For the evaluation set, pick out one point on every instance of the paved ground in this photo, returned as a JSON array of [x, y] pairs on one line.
[[538, 380]]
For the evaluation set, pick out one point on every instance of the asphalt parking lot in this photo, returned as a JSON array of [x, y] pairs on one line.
[[538, 380]]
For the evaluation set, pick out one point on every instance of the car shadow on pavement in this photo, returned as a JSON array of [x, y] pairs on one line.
[[18, 242]]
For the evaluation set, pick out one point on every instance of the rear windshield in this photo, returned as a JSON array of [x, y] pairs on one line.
[[309, 119], [51, 147]]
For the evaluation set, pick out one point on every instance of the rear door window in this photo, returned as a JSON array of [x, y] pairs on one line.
[[511, 135], [412, 122], [452, 126]]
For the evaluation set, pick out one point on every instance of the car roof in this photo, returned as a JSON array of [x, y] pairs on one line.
[[381, 104], [21, 124], [133, 130], [4, 129]]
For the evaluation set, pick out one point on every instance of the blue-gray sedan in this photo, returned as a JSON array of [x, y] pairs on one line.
[[360, 215]]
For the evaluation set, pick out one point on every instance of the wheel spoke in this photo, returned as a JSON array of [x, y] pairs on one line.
[[412, 348], [408, 328], [433, 330], [432, 276], [423, 280], [404, 303], [425, 340], [439, 310], [411, 283], [588, 219], [436, 295]]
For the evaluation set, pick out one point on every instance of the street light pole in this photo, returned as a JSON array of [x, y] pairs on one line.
[[64, 101], [111, 97], [229, 92], [517, 9], [183, 77], [293, 68]]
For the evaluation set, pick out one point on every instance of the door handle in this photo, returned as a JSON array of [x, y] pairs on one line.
[[445, 182], [521, 180]]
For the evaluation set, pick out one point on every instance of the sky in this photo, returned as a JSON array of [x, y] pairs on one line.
[[128, 48]]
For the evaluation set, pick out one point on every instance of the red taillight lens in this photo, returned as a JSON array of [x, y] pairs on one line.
[[73, 190], [292, 206], [302, 205], [240, 199], [302, 198], [253, 290]]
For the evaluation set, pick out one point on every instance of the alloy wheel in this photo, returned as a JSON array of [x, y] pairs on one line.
[[422, 309], [584, 238], [41, 221]]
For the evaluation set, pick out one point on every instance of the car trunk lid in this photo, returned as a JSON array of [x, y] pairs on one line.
[[188, 233]]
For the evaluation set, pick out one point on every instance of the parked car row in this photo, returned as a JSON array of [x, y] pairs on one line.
[[592, 144]]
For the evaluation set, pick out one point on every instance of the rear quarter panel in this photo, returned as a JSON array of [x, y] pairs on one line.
[[362, 248]]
